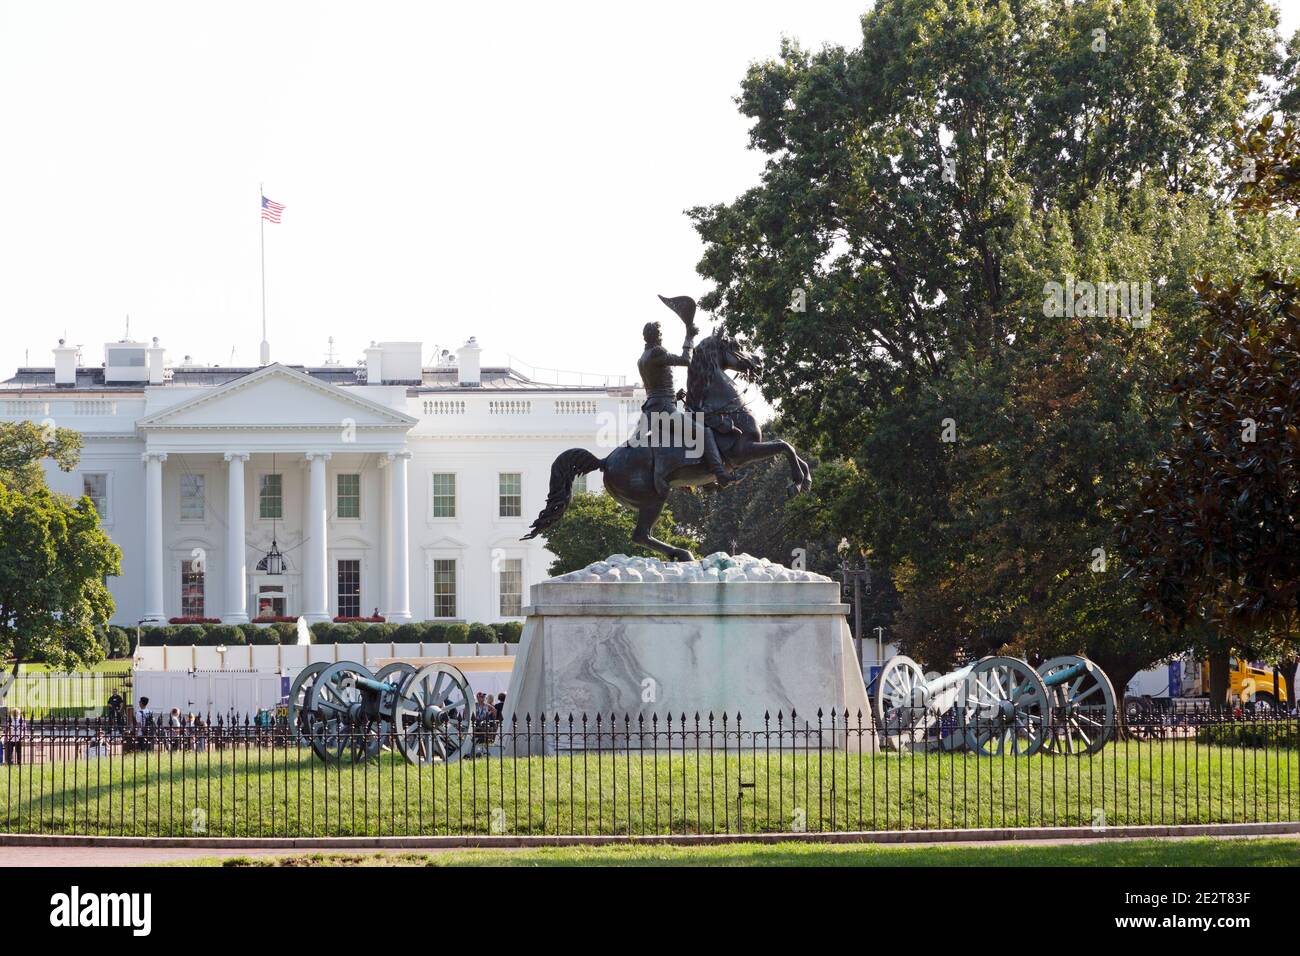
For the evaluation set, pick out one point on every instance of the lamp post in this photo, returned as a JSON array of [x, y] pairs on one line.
[[856, 582]]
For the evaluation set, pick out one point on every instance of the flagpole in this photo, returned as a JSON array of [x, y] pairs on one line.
[[265, 352]]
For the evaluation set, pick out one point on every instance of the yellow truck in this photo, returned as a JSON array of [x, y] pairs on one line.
[[1252, 681], [1184, 680]]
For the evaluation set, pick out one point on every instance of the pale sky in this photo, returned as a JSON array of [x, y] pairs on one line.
[[513, 171]]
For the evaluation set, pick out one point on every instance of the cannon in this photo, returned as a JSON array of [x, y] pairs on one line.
[[347, 714], [1083, 704], [997, 705]]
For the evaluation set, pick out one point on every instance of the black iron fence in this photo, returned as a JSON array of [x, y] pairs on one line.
[[75, 695], [620, 775]]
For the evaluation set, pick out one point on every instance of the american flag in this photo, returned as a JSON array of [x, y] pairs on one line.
[[271, 210]]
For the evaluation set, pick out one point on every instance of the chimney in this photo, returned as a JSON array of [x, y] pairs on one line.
[[467, 359], [156, 359], [65, 365], [374, 365]]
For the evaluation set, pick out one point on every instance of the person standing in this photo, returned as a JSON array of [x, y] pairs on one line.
[[14, 736]]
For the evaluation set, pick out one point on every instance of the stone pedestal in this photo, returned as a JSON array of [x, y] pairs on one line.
[[636, 638]]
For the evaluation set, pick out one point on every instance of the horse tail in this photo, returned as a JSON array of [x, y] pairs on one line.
[[569, 465]]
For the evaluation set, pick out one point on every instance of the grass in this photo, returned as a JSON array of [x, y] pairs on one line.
[[1133, 853], [121, 665], [265, 792], [84, 694]]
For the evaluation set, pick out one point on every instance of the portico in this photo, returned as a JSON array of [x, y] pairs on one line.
[[313, 469]]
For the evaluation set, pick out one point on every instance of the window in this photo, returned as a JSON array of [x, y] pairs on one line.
[[511, 499], [444, 587], [191, 497], [349, 587], [95, 487], [349, 497], [512, 587], [191, 588], [444, 496], [580, 485], [270, 498]]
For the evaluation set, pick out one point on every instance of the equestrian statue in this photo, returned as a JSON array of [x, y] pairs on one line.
[[674, 447]]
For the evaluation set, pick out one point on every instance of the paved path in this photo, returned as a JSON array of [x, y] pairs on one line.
[[141, 855], [11, 856]]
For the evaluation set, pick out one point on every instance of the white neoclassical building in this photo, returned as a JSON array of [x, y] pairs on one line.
[[393, 486]]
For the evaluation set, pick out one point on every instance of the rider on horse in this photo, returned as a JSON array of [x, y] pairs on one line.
[[655, 366], [640, 473]]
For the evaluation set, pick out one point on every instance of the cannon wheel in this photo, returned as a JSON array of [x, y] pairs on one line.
[[298, 699], [1083, 709], [1004, 707], [433, 717], [336, 731], [901, 697], [397, 673]]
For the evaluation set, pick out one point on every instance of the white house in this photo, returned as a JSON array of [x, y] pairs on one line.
[[393, 486]]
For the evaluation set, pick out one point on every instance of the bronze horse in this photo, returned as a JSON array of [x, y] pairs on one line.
[[639, 475]]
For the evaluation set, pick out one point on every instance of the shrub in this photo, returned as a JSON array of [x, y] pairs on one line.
[[159, 635], [482, 634], [286, 632], [509, 632], [224, 634], [379, 633], [275, 619], [322, 632], [457, 633], [189, 635], [1279, 735], [194, 620], [344, 634], [435, 633], [266, 634], [119, 642], [409, 633]]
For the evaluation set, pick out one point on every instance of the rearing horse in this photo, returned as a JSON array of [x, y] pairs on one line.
[[638, 475]]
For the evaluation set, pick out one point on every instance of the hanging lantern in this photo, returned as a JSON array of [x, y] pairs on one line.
[[273, 562]]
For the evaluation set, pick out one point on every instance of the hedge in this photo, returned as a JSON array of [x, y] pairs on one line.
[[1266, 733], [325, 632]]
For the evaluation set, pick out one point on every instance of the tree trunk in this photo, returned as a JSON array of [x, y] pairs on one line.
[[1289, 668], [1219, 679], [1121, 672]]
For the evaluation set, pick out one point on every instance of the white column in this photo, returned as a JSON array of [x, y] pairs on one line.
[[384, 592], [153, 538], [314, 571], [236, 576], [399, 590]]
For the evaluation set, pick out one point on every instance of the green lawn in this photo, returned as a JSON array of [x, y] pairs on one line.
[[288, 793], [84, 694], [120, 665], [1141, 853]]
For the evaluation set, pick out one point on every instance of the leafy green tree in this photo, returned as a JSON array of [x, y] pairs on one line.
[[596, 526], [24, 444], [919, 194], [53, 599]]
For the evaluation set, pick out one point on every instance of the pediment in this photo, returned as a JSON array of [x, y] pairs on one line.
[[277, 397]]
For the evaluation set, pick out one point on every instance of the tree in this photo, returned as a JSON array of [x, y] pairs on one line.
[[24, 444], [596, 526], [54, 602], [757, 516], [919, 195], [1213, 534]]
